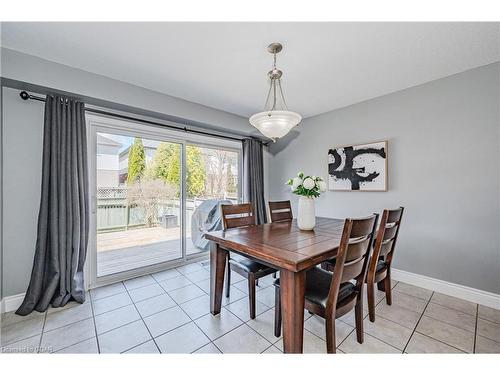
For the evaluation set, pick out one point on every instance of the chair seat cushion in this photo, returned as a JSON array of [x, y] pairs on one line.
[[318, 283], [380, 266], [248, 265]]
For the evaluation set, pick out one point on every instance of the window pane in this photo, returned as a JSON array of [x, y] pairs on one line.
[[211, 177], [138, 202]]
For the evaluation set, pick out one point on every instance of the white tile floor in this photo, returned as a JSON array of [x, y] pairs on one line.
[[168, 312]]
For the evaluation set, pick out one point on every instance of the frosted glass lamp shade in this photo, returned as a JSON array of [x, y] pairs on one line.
[[275, 124]]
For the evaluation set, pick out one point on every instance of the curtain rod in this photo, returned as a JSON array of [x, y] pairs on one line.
[[26, 96]]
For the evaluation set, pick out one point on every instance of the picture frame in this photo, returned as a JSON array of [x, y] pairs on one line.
[[358, 167]]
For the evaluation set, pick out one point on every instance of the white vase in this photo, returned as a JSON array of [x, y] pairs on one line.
[[306, 220]]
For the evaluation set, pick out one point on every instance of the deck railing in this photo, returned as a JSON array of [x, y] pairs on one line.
[[114, 213]]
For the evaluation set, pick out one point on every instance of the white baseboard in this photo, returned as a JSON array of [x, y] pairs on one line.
[[455, 290], [11, 303]]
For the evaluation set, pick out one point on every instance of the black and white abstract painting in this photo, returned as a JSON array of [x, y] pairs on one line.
[[358, 167]]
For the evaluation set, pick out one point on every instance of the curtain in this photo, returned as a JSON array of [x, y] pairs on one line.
[[253, 177], [63, 218]]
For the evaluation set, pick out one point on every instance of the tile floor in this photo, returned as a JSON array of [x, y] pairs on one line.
[[168, 312]]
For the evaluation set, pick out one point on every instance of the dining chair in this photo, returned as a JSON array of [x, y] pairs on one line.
[[331, 295], [238, 216], [280, 211], [379, 266]]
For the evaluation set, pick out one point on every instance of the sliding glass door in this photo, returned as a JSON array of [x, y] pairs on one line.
[[153, 195]]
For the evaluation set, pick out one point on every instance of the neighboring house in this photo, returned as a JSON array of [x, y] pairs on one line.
[[107, 162], [149, 150]]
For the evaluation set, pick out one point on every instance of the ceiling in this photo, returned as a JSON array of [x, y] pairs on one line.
[[224, 65]]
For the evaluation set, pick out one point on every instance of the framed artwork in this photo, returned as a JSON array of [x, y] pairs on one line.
[[358, 167]]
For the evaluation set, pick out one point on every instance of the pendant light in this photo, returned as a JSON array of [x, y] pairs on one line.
[[276, 121]]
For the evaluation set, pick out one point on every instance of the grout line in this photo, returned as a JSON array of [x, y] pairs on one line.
[[136, 346], [210, 340], [19, 322], [364, 317], [489, 320], [416, 325], [385, 342], [68, 324], [475, 329], [213, 341], [454, 324], [460, 311], [141, 318], [219, 349], [411, 295], [184, 311], [489, 338], [78, 342], [78, 321], [421, 315], [210, 343], [262, 352], [235, 328], [404, 308], [115, 308], [95, 327], [442, 342], [43, 331], [240, 325], [139, 287]]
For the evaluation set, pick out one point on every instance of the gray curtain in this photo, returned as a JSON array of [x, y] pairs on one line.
[[63, 223], [253, 177]]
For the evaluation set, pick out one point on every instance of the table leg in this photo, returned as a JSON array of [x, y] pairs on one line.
[[217, 266], [292, 286]]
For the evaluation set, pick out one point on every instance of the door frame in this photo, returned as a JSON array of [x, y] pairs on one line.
[[96, 124]]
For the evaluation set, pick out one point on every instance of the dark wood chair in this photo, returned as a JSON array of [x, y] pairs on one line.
[[237, 216], [331, 295], [379, 267], [280, 211]]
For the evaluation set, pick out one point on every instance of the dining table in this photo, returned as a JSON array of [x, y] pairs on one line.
[[284, 247]]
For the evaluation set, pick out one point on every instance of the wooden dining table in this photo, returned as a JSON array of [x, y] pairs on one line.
[[283, 246]]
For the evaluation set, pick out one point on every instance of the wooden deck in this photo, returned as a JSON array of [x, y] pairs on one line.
[[125, 250]]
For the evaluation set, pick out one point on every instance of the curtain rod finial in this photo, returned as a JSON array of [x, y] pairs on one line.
[[24, 95]]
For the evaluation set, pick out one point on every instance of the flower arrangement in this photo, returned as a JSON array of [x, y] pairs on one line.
[[307, 186]]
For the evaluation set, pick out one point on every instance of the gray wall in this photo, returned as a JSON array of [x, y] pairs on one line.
[[22, 155], [444, 167], [22, 144]]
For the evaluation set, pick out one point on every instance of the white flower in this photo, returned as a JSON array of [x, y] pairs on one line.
[[309, 183], [322, 185], [297, 181]]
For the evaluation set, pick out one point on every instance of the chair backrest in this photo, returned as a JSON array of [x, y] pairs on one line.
[[387, 234], [353, 254], [237, 215], [280, 211]]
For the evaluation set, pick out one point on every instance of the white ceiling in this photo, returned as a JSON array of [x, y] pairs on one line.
[[224, 65]]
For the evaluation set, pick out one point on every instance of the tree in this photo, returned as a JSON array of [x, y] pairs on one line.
[[231, 186], [161, 165], [148, 194], [218, 165], [136, 161], [195, 172], [166, 165]]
